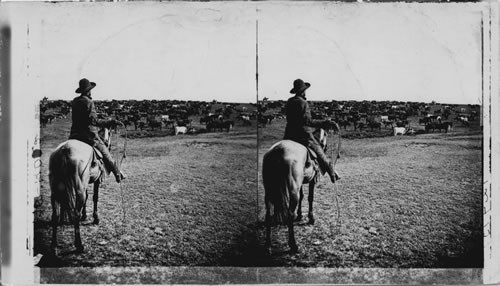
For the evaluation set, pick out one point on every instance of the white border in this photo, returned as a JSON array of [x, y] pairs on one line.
[[24, 126]]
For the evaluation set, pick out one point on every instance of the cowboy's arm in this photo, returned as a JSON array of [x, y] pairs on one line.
[[308, 120], [94, 120], [325, 124]]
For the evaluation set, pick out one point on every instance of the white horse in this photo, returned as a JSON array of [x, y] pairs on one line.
[[72, 167], [284, 171]]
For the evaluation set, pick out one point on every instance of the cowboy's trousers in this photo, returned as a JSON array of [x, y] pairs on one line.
[[323, 160], [107, 158]]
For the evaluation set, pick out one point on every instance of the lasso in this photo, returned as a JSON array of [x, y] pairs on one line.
[[124, 155], [335, 157]]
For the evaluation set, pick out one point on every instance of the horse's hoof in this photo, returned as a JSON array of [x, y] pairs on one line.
[[96, 221], [83, 218], [298, 218], [294, 249], [79, 249], [311, 221]]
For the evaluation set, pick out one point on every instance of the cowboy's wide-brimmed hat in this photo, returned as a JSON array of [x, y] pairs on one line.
[[299, 86], [84, 85]]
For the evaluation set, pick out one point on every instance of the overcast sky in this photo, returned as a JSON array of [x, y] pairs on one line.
[[207, 50], [408, 52]]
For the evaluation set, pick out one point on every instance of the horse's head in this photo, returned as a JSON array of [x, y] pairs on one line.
[[105, 134]]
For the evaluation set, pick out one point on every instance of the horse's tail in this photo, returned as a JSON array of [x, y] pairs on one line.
[[64, 182], [277, 179]]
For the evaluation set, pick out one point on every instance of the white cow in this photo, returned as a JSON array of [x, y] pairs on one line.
[[399, 131], [180, 130]]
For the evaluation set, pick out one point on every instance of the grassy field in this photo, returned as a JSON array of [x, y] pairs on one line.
[[185, 200], [407, 201]]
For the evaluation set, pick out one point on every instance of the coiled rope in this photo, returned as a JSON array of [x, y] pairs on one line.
[[124, 155]]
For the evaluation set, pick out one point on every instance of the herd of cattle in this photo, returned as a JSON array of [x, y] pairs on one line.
[[153, 115], [214, 116], [391, 115]]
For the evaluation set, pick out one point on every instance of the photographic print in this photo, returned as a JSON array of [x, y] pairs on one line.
[[173, 84], [250, 142], [404, 84]]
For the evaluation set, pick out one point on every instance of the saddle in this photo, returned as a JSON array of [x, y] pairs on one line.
[[97, 166], [312, 167]]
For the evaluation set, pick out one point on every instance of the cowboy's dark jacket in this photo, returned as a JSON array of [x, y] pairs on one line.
[[84, 116], [299, 121]]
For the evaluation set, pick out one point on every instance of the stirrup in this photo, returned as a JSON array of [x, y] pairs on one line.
[[335, 177]]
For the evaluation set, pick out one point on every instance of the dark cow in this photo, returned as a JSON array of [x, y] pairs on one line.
[[359, 125], [184, 122], [220, 125], [446, 126], [402, 123], [375, 125], [424, 120], [265, 119], [344, 123], [154, 124], [389, 124]]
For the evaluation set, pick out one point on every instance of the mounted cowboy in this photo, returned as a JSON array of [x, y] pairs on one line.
[[84, 117], [299, 126]]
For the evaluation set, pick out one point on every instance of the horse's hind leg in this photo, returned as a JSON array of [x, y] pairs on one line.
[[95, 198], [291, 235], [78, 239], [311, 199], [77, 212], [299, 208], [56, 213], [268, 229]]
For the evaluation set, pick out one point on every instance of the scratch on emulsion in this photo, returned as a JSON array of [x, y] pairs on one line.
[[119, 32], [28, 49]]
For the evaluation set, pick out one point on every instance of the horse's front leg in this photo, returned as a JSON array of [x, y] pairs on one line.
[[299, 208], [311, 199], [95, 198]]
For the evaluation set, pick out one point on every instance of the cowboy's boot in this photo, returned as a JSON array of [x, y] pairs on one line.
[[334, 176], [119, 175], [325, 164]]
